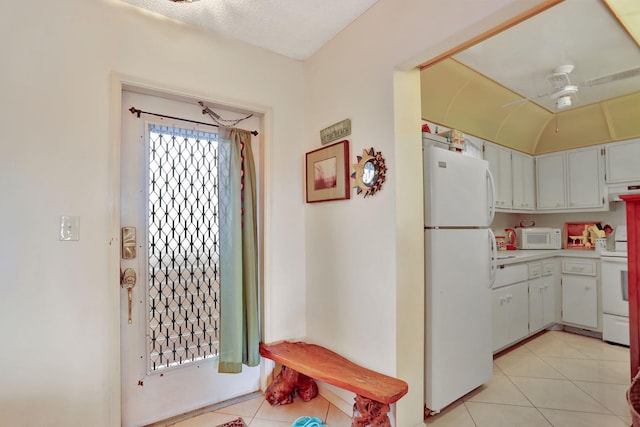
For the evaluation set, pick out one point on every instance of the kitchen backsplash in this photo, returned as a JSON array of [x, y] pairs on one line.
[[616, 216]]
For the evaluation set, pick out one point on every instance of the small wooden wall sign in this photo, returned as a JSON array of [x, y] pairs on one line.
[[335, 131]]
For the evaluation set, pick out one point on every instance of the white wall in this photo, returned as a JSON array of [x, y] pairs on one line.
[[364, 256], [59, 339], [616, 215], [58, 327]]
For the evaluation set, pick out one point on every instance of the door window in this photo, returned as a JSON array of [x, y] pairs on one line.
[[183, 246]]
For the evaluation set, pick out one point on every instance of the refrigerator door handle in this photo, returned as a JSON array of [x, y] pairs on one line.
[[492, 199], [494, 258]]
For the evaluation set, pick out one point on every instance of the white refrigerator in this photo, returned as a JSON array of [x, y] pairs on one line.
[[460, 251]]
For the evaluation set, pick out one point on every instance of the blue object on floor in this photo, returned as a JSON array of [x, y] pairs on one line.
[[301, 422], [308, 422]]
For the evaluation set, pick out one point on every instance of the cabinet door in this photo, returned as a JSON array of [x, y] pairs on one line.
[[549, 279], [499, 159], [510, 314], [548, 301], [536, 304], [542, 303], [580, 300], [550, 179], [584, 178], [522, 169], [622, 161], [498, 311]]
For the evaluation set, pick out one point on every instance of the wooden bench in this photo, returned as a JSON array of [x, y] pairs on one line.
[[302, 363]]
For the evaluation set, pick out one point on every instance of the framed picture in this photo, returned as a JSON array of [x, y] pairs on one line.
[[582, 235], [327, 173]]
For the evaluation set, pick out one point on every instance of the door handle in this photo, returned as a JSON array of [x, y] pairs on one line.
[[128, 282]]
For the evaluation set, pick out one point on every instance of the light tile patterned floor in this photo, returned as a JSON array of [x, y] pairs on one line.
[[258, 413], [558, 379]]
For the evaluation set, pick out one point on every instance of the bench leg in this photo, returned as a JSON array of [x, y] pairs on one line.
[[370, 413], [288, 382]]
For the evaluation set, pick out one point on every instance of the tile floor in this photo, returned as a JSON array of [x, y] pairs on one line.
[[258, 413], [558, 379]]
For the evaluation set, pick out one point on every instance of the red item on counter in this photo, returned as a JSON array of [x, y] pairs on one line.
[[425, 128], [511, 236]]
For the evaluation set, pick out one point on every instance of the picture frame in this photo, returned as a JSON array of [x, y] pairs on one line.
[[327, 173], [580, 235]]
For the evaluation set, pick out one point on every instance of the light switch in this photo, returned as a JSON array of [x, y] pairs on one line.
[[69, 228]]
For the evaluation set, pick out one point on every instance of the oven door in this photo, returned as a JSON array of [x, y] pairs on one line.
[[615, 288]]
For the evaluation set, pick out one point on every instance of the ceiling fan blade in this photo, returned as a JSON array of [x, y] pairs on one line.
[[621, 75], [516, 102], [520, 101]]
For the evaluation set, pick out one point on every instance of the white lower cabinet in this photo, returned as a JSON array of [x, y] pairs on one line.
[[510, 306], [580, 306], [542, 295], [525, 298]]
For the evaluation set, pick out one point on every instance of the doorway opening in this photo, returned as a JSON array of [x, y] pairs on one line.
[[168, 195]]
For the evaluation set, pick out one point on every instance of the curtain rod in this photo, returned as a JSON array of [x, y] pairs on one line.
[[136, 111]]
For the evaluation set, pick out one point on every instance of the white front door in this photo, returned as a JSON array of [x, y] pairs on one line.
[[168, 180]]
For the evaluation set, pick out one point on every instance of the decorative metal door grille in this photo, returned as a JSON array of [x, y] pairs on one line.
[[183, 247]]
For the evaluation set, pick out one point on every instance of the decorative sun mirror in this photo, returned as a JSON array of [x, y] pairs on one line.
[[369, 172]]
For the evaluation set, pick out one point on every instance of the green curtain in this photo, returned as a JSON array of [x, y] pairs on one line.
[[239, 295]]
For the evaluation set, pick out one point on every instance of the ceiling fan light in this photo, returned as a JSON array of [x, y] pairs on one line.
[[563, 102]]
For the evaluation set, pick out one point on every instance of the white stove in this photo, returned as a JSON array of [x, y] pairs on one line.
[[615, 290]]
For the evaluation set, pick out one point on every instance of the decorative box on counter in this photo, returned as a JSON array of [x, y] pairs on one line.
[[455, 139], [581, 235]]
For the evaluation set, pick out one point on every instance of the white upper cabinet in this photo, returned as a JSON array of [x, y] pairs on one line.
[[622, 161], [551, 185], [571, 180], [499, 159], [585, 178], [524, 189]]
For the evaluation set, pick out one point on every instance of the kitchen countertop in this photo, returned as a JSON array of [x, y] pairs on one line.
[[517, 256]]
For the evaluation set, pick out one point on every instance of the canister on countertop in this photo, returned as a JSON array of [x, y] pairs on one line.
[[600, 244]]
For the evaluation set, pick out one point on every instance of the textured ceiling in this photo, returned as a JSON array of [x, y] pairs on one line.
[[293, 28], [470, 91], [582, 33]]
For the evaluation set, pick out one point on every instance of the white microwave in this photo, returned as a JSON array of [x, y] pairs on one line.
[[538, 238]]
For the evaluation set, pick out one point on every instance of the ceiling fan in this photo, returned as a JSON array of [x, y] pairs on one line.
[[564, 92]]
